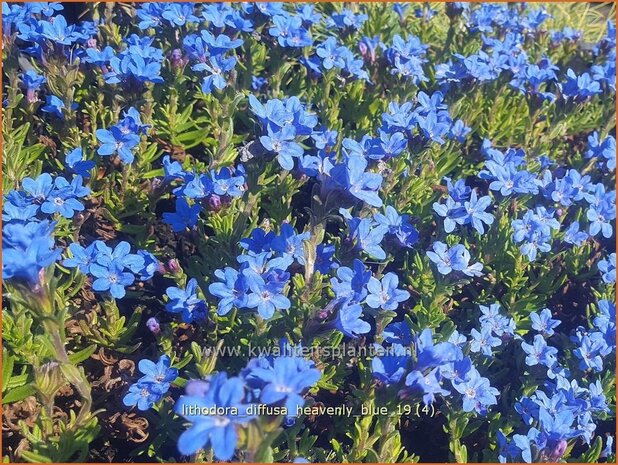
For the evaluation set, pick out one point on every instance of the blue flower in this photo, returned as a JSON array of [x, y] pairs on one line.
[[214, 416], [351, 284], [132, 122], [590, 352], [27, 248], [266, 296], [543, 322], [432, 128], [459, 131], [228, 181], [608, 269], [407, 57], [173, 170], [308, 14], [38, 188], [45, 8], [605, 149], [384, 294], [33, 82], [477, 393], [17, 208], [196, 187], [140, 62], [368, 236], [282, 143], [232, 291], [391, 367], [362, 185], [399, 226], [186, 215], [289, 31], [119, 255], [179, 13], [475, 212], [427, 383], [158, 373], [216, 69], [458, 371], [116, 142], [186, 302], [61, 200], [579, 87], [81, 257], [456, 258], [258, 241], [600, 214], [58, 31], [283, 381], [151, 387], [534, 229], [349, 321], [387, 146], [74, 160], [288, 243], [346, 18], [151, 265], [572, 235], [112, 278], [257, 82], [398, 333], [539, 352], [452, 211], [483, 341], [330, 53], [324, 258], [54, 105], [500, 325], [430, 355], [143, 395]]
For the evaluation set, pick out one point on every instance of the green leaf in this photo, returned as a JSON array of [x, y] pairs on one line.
[[83, 354], [17, 394], [7, 368]]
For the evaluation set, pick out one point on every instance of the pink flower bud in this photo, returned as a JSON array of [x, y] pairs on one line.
[[173, 266], [153, 325]]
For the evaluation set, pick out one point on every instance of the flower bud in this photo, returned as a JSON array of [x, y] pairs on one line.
[[48, 380], [173, 266], [31, 95], [214, 203], [153, 325], [558, 451], [176, 58]]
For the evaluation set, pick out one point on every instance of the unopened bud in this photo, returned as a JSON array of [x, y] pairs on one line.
[[177, 59], [48, 380], [173, 266], [558, 451], [214, 203], [153, 325]]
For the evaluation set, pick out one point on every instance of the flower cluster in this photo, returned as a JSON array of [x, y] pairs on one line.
[[433, 366], [151, 387], [112, 269], [414, 204], [463, 206], [217, 406], [121, 139]]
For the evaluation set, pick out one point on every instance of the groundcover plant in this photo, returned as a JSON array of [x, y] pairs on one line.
[[294, 232]]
